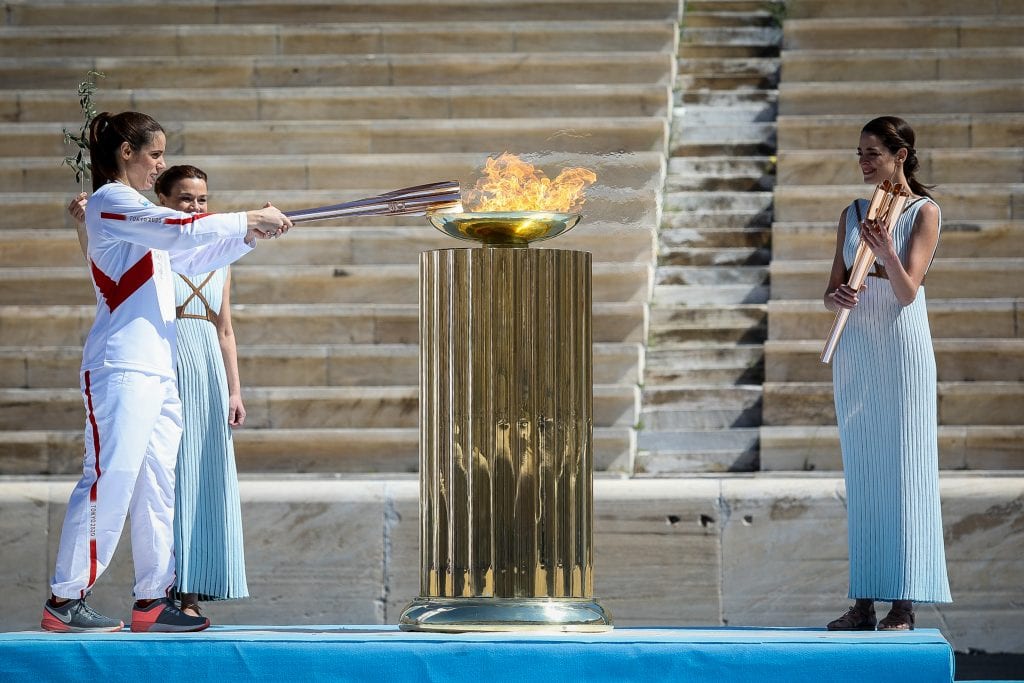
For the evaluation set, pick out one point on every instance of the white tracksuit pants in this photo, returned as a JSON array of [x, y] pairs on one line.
[[132, 430]]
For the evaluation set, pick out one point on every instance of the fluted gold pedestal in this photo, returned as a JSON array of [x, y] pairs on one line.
[[506, 470]]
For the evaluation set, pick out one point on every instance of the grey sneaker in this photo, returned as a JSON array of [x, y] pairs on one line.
[[75, 616]]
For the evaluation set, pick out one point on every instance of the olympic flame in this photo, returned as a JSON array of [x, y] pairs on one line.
[[511, 184]]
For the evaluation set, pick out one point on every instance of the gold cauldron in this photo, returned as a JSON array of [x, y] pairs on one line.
[[505, 229], [506, 430]]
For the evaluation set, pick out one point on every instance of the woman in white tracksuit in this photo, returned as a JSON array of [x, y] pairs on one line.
[[133, 414]]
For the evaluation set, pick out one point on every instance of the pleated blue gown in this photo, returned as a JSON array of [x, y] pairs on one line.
[[884, 378], [208, 518]]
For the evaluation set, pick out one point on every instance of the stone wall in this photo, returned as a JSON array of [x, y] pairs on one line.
[[757, 550]]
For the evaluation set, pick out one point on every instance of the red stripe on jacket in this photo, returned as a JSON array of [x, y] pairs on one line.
[[115, 292], [94, 489], [166, 221]]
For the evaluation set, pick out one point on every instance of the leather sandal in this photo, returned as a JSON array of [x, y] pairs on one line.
[[898, 619], [855, 619], [191, 605]]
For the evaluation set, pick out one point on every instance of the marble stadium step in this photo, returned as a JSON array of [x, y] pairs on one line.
[[393, 284], [732, 138], [294, 407], [597, 135], [719, 256], [724, 201], [330, 245], [703, 221], [618, 174], [972, 447], [726, 99], [710, 285], [957, 360], [700, 407], [708, 363], [498, 101], [328, 365], [934, 131], [865, 32], [718, 173], [730, 42], [342, 70], [712, 275], [738, 110], [940, 167], [959, 239], [981, 278], [289, 323], [116, 12], [682, 329], [668, 452], [960, 202], [707, 238], [707, 295], [960, 403], [295, 323], [952, 318], [903, 64], [805, 9], [350, 38], [728, 73], [911, 98], [734, 6], [286, 451], [704, 15]]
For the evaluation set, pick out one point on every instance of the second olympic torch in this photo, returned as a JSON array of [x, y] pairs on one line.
[[886, 205]]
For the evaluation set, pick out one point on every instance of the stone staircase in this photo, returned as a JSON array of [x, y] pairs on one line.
[[704, 368], [311, 103], [953, 70]]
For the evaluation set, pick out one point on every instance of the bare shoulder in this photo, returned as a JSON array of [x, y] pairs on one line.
[[930, 208], [928, 213]]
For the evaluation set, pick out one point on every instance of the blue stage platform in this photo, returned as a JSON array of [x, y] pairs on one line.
[[371, 653]]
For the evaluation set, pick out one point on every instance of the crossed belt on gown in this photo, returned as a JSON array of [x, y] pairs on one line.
[[210, 315]]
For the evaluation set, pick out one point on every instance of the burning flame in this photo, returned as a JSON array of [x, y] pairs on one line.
[[511, 184]]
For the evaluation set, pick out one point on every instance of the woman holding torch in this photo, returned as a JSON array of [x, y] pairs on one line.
[[208, 545], [884, 379], [133, 411]]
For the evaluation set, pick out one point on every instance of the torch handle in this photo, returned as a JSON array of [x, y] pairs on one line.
[[410, 201], [832, 341]]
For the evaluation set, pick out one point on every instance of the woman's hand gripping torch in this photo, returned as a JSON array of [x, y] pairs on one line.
[[885, 207]]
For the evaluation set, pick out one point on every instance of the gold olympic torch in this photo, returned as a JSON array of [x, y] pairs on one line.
[[886, 205]]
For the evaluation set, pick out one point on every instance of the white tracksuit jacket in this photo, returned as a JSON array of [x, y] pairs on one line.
[[133, 415]]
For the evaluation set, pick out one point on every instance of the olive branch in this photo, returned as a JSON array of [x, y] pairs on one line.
[[79, 163]]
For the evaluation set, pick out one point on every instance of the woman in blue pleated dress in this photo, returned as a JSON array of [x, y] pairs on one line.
[[884, 379], [207, 519]]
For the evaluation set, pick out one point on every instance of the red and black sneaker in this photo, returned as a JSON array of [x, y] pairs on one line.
[[161, 616]]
